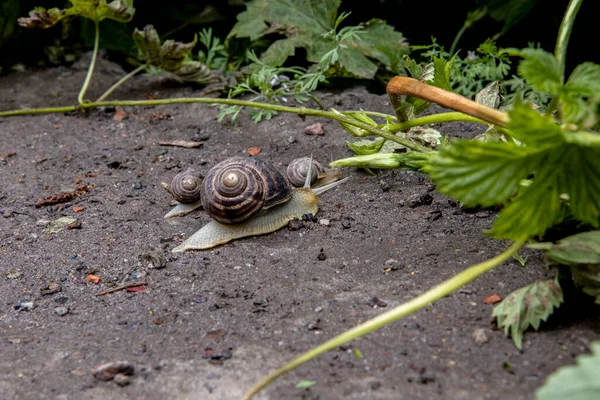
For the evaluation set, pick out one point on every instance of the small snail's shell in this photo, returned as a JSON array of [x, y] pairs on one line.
[[298, 169], [185, 186], [239, 188]]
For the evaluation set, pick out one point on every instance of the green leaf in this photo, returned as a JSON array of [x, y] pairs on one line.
[[357, 353], [481, 173], [172, 56], [305, 384], [278, 52], [412, 160], [441, 73], [585, 79], [581, 177], [530, 127], [587, 277], [354, 130], [96, 10], [381, 42], [574, 382], [528, 306], [582, 248], [540, 69], [9, 11], [415, 70], [366, 147]]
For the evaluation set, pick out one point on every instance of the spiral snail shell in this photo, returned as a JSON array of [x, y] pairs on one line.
[[249, 197], [238, 188], [297, 171]]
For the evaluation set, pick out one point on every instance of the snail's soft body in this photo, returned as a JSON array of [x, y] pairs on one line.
[[303, 201], [249, 197]]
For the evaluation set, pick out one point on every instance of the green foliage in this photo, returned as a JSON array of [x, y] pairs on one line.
[[171, 56], [9, 10], [581, 253], [313, 26], [528, 306], [487, 173], [215, 56], [575, 382], [305, 384], [96, 10]]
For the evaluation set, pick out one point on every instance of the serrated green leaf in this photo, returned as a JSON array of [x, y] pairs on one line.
[[415, 70], [354, 130], [581, 248], [581, 174], [585, 79], [528, 306], [278, 52], [441, 73], [481, 173], [530, 127], [381, 42], [305, 384], [574, 382], [541, 70], [96, 10], [354, 65]]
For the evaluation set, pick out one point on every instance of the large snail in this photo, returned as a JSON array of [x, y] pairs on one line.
[[249, 197]]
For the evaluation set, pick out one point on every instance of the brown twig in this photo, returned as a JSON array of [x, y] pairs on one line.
[[122, 287], [400, 85]]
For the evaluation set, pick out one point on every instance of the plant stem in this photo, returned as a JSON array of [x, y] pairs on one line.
[[564, 32], [276, 107], [434, 119], [88, 77], [436, 293], [458, 36], [411, 87], [120, 82]]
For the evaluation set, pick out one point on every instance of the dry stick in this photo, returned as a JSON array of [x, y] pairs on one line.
[[411, 87], [122, 287]]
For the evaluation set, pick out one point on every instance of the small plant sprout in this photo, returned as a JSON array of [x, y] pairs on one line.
[[521, 260]]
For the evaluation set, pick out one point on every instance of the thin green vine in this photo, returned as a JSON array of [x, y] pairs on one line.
[[90, 72], [121, 81], [410, 307]]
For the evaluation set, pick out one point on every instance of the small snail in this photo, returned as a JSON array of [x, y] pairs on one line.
[[249, 197], [185, 188]]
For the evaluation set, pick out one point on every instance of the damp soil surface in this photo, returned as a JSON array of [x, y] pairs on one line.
[[209, 324]]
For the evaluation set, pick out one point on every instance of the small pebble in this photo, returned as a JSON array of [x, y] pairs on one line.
[[201, 136], [42, 222], [385, 186], [346, 224], [61, 299], [137, 185], [324, 222], [479, 336], [14, 275], [122, 379], [482, 214], [25, 306], [61, 311], [322, 255], [138, 273], [319, 309], [107, 371], [391, 261]]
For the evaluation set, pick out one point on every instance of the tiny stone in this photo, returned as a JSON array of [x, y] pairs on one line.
[[319, 309], [7, 214], [313, 326], [482, 214], [385, 186], [121, 201], [324, 222], [61, 299], [25, 306], [322, 255], [122, 379], [138, 273], [295, 224], [42, 222], [61, 311], [137, 185], [237, 267], [479, 336], [201, 136], [106, 372], [346, 224], [391, 261]]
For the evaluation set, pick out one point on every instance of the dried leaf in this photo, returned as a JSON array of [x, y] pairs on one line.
[[91, 278], [96, 10], [78, 209], [254, 150], [120, 114], [493, 299], [60, 224]]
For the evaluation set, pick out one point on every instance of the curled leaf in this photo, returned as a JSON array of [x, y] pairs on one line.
[[172, 56], [96, 10], [528, 306]]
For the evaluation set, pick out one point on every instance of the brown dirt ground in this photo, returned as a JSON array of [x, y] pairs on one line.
[[257, 302]]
